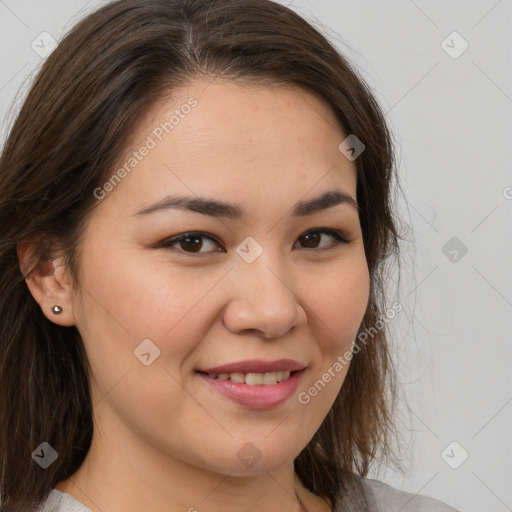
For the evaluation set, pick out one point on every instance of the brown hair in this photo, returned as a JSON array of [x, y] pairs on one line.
[[85, 102]]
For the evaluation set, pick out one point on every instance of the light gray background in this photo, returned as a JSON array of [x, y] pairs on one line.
[[452, 121]]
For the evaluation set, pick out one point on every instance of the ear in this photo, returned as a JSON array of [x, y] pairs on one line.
[[48, 283]]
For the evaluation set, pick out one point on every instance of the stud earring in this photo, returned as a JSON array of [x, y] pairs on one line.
[[57, 309]]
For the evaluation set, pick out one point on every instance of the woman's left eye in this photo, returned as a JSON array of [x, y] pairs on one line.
[[192, 240]]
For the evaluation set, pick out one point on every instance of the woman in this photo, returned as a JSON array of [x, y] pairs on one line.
[[196, 205]]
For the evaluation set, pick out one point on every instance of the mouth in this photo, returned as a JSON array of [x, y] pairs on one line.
[[254, 390]]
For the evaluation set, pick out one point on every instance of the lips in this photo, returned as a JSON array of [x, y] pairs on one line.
[[240, 381], [263, 396], [256, 366]]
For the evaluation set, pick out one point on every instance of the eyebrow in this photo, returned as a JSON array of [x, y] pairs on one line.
[[215, 208]]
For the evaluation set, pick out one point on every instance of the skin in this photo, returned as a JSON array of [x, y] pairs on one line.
[[163, 439]]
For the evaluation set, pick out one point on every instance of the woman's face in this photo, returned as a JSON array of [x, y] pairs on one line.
[[254, 286]]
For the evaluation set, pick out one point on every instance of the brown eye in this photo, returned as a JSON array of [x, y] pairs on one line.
[[194, 243], [189, 243], [311, 239]]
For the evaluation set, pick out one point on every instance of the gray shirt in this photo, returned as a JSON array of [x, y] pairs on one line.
[[385, 498]]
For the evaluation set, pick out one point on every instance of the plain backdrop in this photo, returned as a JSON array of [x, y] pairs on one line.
[[442, 73]]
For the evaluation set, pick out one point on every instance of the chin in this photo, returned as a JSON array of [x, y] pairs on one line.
[[254, 459]]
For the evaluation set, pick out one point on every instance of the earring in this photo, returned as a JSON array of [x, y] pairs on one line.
[[57, 309]]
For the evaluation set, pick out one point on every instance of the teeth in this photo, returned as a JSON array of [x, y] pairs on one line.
[[237, 377], [253, 379], [268, 378]]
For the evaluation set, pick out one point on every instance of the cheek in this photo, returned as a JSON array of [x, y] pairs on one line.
[[138, 296], [125, 301], [129, 298], [338, 308], [338, 303]]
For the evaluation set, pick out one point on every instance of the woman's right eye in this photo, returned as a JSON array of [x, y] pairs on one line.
[[190, 241]]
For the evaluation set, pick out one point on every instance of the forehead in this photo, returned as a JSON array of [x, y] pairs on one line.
[[227, 138]]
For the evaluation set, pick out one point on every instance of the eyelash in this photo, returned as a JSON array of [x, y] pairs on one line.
[[167, 244]]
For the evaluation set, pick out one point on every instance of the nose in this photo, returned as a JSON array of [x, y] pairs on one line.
[[263, 299]]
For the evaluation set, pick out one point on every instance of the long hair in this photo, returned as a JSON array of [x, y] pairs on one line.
[[74, 123]]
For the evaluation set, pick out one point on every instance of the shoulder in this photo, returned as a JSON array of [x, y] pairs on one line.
[[389, 499], [62, 502]]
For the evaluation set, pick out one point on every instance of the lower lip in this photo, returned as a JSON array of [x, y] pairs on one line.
[[260, 396]]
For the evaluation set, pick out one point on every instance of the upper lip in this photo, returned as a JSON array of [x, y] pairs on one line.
[[256, 366]]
